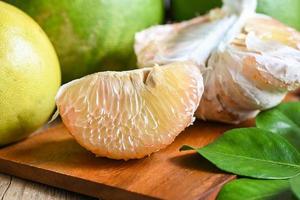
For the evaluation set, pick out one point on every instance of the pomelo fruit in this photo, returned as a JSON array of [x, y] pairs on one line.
[[131, 114], [30, 75], [287, 11], [93, 35]]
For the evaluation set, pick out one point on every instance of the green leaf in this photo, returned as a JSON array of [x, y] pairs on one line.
[[251, 189], [295, 185], [284, 120], [254, 153]]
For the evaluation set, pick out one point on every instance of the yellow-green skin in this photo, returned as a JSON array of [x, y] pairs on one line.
[[93, 35], [30, 75]]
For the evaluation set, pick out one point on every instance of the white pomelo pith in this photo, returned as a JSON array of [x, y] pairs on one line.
[[249, 61], [127, 115]]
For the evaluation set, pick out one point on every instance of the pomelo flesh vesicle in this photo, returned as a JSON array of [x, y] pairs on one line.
[[131, 114]]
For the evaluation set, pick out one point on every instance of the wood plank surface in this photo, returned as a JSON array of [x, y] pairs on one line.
[[12, 188], [5, 181]]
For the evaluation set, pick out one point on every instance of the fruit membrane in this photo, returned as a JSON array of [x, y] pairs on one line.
[[249, 61]]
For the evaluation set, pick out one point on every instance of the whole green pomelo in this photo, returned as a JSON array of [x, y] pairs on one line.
[[93, 35], [30, 75], [286, 11]]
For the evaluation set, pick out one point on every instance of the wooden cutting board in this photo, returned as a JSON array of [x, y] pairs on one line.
[[53, 157]]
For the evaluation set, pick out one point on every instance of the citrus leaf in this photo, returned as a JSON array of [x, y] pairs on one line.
[[284, 120], [246, 189], [253, 152], [295, 185]]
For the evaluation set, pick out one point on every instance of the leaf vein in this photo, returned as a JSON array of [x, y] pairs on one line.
[[256, 159]]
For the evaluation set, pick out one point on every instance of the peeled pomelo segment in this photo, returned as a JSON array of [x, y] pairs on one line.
[[258, 68], [127, 115], [235, 90], [270, 50], [253, 73]]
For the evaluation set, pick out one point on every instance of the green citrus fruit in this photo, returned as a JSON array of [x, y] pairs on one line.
[[286, 11], [30, 75], [93, 35]]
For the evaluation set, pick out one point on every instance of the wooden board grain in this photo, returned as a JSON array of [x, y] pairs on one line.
[[53, 157]]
